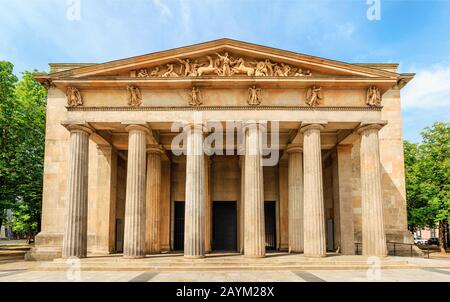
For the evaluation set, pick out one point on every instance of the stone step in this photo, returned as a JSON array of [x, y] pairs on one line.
[[223, 268], [130, 263], [207, 266]]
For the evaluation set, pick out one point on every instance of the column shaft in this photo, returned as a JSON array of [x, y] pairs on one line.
[[75, 228], [373, 236], [194, 238], [134, 235], [314, 219], [153, 202], [295, 179], [254, 243]]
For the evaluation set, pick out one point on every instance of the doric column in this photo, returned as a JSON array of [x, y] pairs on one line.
[[134, 237], [254, 243], [314, 219], [373, 236], [295, 203], [194, 231], [153, 199], [75, 227]]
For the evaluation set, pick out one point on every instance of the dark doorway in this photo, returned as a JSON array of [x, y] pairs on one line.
[[119, 235], [224, 226], [178, 232], [270, 225]]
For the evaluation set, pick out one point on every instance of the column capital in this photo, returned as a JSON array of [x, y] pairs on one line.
[[344, 148], [249, 123], [195, 126], [155, 149], [294, 148], [370, 125], [104, 149], [312, 125], [142, 127], [78, 127]]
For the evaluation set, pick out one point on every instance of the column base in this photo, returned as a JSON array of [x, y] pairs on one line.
[[314, 256], [194, 257], [153, 253], [254, 257], [133, 257], [295, 252], [39, 255], [47, 247]]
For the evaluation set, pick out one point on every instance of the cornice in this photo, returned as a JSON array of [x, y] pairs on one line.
[[224, 44]]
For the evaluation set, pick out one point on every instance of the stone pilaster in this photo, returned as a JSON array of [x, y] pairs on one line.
[[295, 203], [75, 228], [153, 199], [254, 243], [242, 202], [344, 208], [134, 234], [194, 236], [314, 219], [373, 235], [208, 206], [106, 200]]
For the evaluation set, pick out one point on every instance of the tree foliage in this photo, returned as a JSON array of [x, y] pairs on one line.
[[22, 137], [428, 178]]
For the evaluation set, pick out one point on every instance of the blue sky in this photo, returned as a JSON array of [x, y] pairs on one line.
[[414, 33]]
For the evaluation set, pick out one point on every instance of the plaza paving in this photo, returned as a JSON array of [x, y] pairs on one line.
[[397, 269], [389, 275]]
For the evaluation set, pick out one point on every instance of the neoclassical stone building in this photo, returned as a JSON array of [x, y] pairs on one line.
[[313, 162]]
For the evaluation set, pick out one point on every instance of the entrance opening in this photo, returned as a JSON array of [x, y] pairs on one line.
[[224, 226], [330, 235], [178, 238], [119, 236], [270, 225]]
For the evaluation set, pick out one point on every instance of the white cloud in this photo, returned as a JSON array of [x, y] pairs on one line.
[[346, 29], [429, 89], [165, 9]]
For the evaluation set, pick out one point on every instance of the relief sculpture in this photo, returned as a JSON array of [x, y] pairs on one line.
[[74, 98], [195, 97], [254, 96], [223, 65], [134, 96], [314, 96], [373, 97]]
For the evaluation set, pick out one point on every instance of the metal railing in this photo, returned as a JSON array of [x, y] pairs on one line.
[[394, 250], [395, 244]]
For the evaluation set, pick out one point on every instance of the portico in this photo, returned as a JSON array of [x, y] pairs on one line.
[[312, 161]]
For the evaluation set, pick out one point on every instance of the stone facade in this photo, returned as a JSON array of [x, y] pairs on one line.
[[113, 179]]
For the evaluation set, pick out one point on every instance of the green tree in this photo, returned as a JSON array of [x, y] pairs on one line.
[[32, 98], [7, 136], [428, 180], [22, 142], [435, 169]]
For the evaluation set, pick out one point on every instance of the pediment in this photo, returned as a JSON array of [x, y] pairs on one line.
[[224, 58]]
